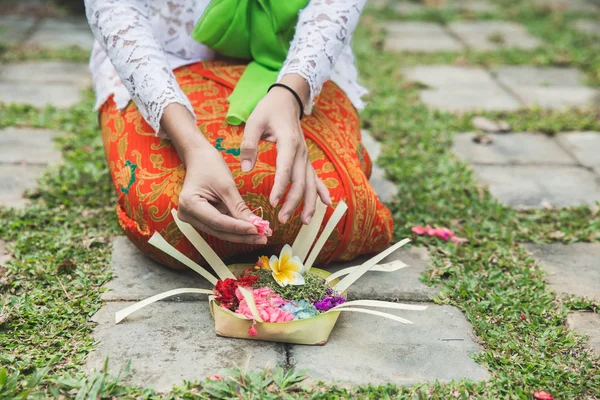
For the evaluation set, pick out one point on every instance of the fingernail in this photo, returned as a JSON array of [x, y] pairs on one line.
[[308, 219], [246, 165], [284, 218], [275, 201]]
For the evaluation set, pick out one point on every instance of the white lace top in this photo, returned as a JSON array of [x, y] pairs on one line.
[[140, 42]]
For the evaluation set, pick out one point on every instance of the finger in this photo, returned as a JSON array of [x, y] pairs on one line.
[[236, 205], [283, 170], [310, 195], [230, 237], [297, 188], [323, 191], [205, 213], [249, 146]]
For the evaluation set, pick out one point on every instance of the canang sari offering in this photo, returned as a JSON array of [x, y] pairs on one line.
[[281, 298]]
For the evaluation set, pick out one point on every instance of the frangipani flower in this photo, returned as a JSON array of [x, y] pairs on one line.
[[287, 269]]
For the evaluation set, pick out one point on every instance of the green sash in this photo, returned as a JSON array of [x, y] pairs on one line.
[[256, 30]]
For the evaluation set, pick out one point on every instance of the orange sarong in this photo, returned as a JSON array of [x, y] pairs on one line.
[[148, 174]]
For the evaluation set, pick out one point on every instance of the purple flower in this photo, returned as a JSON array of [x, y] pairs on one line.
[[327, 303]]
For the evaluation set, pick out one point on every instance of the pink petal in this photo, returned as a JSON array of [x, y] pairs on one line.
[[261, 225], [442, 233], [419, 230], [430, 231], [215, 377], [252, 331], [457, 239]]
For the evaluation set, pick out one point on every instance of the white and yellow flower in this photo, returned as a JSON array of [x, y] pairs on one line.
[[287, 269]]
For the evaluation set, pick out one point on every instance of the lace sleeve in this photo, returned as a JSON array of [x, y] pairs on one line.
[[123, 29], [324, 28]]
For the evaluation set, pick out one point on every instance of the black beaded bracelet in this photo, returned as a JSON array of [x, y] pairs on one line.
[[292, 91]]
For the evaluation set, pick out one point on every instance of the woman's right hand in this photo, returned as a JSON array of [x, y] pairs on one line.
[[209, 199]]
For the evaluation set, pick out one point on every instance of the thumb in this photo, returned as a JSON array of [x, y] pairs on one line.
[[249, 147]]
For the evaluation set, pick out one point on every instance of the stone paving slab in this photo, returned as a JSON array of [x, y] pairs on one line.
[[513, 148], [571, 269], [53, 33], [55, 94], [585, 147], [567, 5], [77, 74], [451, 76], [41, 83], [493, 35], [16, 179], [548, 87], [14, 28], [588, 27], [460, 89], [168, 342], [469, 99], [530, 186], [28, 145], [366, 349], [587, 324], [423, 37], [136, 277], [386, 190], [401, 285], [473, 6]]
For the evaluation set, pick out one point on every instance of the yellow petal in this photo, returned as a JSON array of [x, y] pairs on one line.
[[294, 264], [264, 262], [294, 278], [281, 279], [285, 255], [274, 264]]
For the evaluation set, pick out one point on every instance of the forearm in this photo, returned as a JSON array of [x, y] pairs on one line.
[[299, 85], [324, 28], [181, 128], [124, 31]]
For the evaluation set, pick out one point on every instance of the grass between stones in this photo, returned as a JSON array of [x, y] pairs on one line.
[[61, 253]]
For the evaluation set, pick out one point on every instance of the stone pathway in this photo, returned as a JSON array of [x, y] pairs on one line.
[[506, 88], [461, 89], [467, 6], [178, 340], [423, 37], [493, 35], [586, 6], [43, 83], [571, 269], [430, 37], [574, 269], [53, 33], [534, 170], [24, 155], [589, 27], [46, 33]]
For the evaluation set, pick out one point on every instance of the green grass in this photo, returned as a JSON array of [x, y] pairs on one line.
[[52, 286]]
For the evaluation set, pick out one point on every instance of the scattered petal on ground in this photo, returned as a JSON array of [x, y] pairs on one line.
[[542, 396]]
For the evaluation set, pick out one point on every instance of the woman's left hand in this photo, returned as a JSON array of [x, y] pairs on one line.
[[276, 119]]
